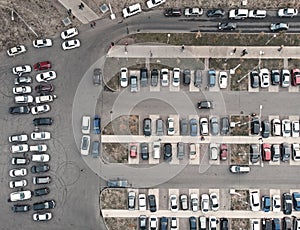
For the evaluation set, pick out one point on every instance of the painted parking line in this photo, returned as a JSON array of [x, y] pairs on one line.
[[192, 87], [293, 89], [153, 118], [175, 160], [155, 192]]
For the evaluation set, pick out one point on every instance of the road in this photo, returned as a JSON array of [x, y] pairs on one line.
[[75, 187]]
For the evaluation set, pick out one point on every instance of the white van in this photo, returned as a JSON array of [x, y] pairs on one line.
[[85, 127], [156, 150]]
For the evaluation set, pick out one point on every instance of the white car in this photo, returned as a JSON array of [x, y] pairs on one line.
[[176, 77], [17, 183], [21, 195], [276, 203], [40, 109], [154, 3], [85, 145], [124, 77], [194, 202], [296, 152], [204, 203], [18, 138], [257, 13], [22, 89], [195, 12], [44, 99], [204, 126], [46, 76], [295, 128], [36, 136], [70, 44], [16, 50], [40, 157], [238, 14], [285, 78], [85, 124], [287, 12], [164, 77], [173, 203], [173, 223], [23, 99], [212, 222], [72, 32], [142, 202], [153, 222], [254, 201], [38, 148], [286, 128], [23, 80], [264, 78], [223, 80], [42, 216], [40, 43], [18, 172], [132, 10], [276, 127], [214, 201], [21, 148], [171, 129], [19, 70]]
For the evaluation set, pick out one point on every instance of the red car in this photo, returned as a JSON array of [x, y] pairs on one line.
[[42, 65], [296, 76], [266, 148], [223, 152], [133, 150]]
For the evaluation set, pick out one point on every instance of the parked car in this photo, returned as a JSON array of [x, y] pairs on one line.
[[276, 127], [295, 76], [171, 12], [193, 223], [18, 138], [19, 70], [173, 203], [275, 77], [42, 135], [224, 123], [227, 26], [164, 77], [264, 78], [142, 222], [19, 172], [41, 179], [276, 203], [38, 148], [194, 202], [239, 168], [193, 12], [184, 202], [238, 14], [257, 13], [180, 150], [69, 33], [223, 152], [286, 128], [44, 87], [40, 157], [154, 77], [70, 44], [205, 105], [192, 151], [132, 10], [213, 151], [159, 127], [214, 201], [20, 208], [265, 129], [133, 150], [296, 200], [22, 89], [167, 152], [41, 191], [44, 99], [275, 150], [186, 77], [214, 125], [203, 223], [171, 129], [154, 3], [46, 76], [44, 65], [153, 222], [266, 203], [286, 223], [42, 121], [266, 152], [287, 203], [144, 151], [254, 79], [287, 12], [173, 223], [142, 202], [35, 110], [164, 223], [176, 77], [295, 128], [133, 84], [152, 203], [254, 200], [204, 203], [285, 152], [124, 77], [42, 216], [184, 127], [40, 168], [85, 145], [223, 79], [193, 127], [20, 195], [212, 78], [143, 77], [215, 13], [204, 126], [197, 78], [47, 204], [254, 153], [41, 43], [95, 149], [97, 124], [212, 223], [255, 126], [296, 151], [223, 224], [19, 161], [277, 27], [23, 99], [16, 50], [131, 200], [22, 80], [19, 148]]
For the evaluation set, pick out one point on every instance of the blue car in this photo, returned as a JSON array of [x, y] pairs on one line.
[[266, 202], [296, 201], [97, 124]]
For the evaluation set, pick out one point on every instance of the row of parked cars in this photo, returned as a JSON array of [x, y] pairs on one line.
[[47, 42], [178, 76], [86, 138], [214, 126], [288, 223], [284, 78]]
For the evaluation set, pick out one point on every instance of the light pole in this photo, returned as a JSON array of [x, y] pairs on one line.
[[259, 60], [274, 36], [168, 38], [260, 140]]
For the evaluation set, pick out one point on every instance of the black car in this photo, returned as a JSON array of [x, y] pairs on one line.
[[20, 208], [193, 223], [97, 77], [287, 223], [254, 79], [215, 13], [144, 151], [164, 223], [152, 203], [186, 77], [266, 224], [265, 126], [285, 152], [224, 125], [44, 87], [170, 12], [167, 152], [144, 77], [147, 127], [184, 127], [255, 126], [40, 168], [19, 110], [223, 224], [287, 203], [227, 26], [254, 153], [42, 121], [47, 204], [154, 77], [41, 191], [143, 222], [275, 77], [205, 105]]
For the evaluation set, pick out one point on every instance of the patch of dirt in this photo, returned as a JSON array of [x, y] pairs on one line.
[[240, 202], [240, 224], [239, 154], [113, 199], [123, 125], [242, 125], [120, 223], [115, 152], [294, 63]]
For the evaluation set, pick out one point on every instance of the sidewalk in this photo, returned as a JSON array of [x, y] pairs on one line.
[[85, 15], [165, 51], [187, 214]]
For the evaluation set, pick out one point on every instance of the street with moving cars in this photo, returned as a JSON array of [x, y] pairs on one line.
[[71, 182]]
